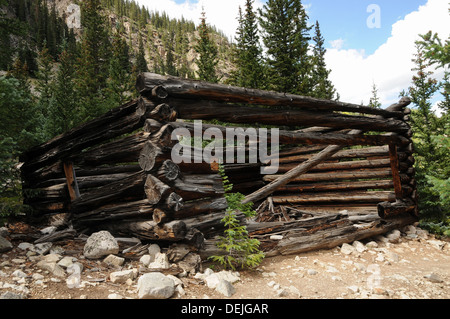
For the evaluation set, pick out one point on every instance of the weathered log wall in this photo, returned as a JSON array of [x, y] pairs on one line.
[[117, 172]]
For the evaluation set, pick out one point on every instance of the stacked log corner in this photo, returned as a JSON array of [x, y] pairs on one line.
[[116, 172]]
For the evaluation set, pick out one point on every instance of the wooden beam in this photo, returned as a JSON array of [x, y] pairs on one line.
[[71, 178], [168, 86], [395, 171]]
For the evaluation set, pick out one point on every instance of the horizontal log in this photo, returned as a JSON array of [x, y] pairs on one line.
[[115, 123], [192, 186], [335, 197], [379, 163], [336, 186], [177, 87], [295, 138], [121, 190], [115, 211], [336, 235], [210, 110], [149, 230], [336, 175], [202, 206]]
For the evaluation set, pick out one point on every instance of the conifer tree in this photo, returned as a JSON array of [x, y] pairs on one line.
[[285, 34], [119, 81], [141, 63], [374, 100], [208, 53], [93, 62], [425, 125], [248, 53], [321, 85]]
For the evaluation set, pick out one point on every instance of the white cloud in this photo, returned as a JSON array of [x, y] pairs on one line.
[[337, 44], [389, 67], [222, 14]]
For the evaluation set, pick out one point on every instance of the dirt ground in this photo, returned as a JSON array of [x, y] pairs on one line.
[[410, 269]]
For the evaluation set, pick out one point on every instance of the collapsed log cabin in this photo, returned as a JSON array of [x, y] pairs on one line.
[[345, 171]]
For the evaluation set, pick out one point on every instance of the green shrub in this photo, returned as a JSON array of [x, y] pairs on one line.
[[241, 250]]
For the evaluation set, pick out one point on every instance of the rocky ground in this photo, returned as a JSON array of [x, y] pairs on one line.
[[404, 264]]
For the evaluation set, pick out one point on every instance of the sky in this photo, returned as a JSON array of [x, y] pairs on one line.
[[368, 41]]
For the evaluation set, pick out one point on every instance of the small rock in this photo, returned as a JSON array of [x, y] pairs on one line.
[[12, 295], [51, 267], [115, 296], [347, 249], [4, 232], [226, 288], [434, 278], [372, 244], [48, 230], [438, 244], [360, 248], [18, 261], [293, 290], [153, 250], [5, 245], [409, 229], [37, 276], [312, 272], [146, 260], [155, 286], [52, 258], [276, 237], [100, 244], [271, 284], [394, 236], [161, 262], [42, 248], [114, 260], [120, 277], [282, 292], [19, 273], [25, 246], [66, 261]]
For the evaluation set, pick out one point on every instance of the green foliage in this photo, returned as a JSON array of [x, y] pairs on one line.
[[208, 54], [432, 146], [321, 85], [248, 60], [286, 36], [374, 100], [241, 250]]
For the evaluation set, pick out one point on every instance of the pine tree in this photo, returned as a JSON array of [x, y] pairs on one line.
[[208, 54], [321, 85], [141, 63], [375, 100], [171, 68], [93, 62], [248, 53], [286, 35], [65, 112], [119, 81], [425, 125]]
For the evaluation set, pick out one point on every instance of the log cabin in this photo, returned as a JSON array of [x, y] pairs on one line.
[[344, 171]]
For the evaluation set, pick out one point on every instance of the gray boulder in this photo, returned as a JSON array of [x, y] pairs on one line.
[[155, 286], [100, 244], [5, 245]]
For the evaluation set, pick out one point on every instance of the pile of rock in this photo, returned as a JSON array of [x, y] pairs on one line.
[[150, 273]]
